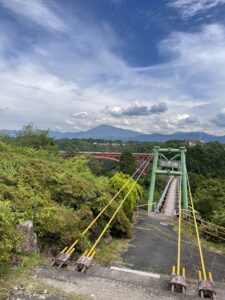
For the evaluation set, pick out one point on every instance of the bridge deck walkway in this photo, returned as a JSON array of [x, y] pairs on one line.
[[171, 198]]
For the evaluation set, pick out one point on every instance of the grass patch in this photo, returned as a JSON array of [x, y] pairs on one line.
[[16, 275], [22, 276], [40, 288], [111, 253]]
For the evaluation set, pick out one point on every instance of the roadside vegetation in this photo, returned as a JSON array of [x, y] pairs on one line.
[[62, 196]]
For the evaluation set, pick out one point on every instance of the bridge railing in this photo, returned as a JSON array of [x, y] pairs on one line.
[[142, 206], [207, 230], [164, 194]]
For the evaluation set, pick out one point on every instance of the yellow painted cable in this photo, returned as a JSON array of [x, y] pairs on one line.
[[199, 275], [179, 234], [197, 233], [72, 246], [102, 211], [71, 252], [115, 213], [210, 276], [63, 250], [93, 254]]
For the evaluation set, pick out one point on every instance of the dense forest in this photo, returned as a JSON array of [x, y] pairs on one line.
[[61, 196]]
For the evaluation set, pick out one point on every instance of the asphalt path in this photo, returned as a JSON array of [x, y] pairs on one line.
[[153, 248]]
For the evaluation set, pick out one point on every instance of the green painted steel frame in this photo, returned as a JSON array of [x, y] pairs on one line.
[[157, 151]]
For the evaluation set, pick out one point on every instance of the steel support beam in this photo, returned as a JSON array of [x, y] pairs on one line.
[[168, 172], [152, 183], [184, 178]]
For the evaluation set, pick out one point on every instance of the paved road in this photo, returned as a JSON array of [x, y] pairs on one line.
[[154, 246]]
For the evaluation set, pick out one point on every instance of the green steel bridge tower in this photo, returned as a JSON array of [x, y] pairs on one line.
[[169, 166]]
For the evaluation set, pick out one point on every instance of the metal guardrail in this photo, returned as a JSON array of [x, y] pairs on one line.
[[143, 205], [162, 199], [206, 229]]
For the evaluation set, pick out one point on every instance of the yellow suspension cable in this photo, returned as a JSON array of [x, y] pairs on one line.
[[113, 216], [103, 210], [197, 232]]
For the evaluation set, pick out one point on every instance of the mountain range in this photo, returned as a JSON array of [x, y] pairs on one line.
[[107, 132]]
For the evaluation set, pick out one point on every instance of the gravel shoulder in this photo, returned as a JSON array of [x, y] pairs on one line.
[[103, 283]]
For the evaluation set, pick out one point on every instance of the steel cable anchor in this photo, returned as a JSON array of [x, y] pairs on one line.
[[62, 258], [178, 283], [84, 262], [206, 287]]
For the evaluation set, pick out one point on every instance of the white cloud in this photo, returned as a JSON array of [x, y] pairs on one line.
[[199, 61], [136, 110], [72, 80], [68, 122], [36, 11], [182, 117], [81, 115], [189, 8]]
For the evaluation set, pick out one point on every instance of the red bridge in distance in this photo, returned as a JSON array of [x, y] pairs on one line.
[[115, 156]]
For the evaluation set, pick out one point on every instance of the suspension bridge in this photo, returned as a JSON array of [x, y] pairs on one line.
[[176, 201]]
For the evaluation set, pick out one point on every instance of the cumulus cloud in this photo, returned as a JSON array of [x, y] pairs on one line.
[[189, 8], [219, 119], [137, 110], [190, 121], [196, 69], [185, 120]]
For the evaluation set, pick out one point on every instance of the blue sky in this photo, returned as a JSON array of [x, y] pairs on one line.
[[152, 66]]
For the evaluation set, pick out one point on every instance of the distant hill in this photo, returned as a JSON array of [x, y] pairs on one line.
[[12, 133], [193, 136], [107, 132]]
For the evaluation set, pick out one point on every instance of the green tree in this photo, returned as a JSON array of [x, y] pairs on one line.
[[127, 163], [32, 136]]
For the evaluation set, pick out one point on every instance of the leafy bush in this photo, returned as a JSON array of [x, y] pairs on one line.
[[8, 234], [60, 196], [134, 189]]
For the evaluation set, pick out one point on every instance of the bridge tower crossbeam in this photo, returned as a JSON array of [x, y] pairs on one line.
[[165, 166]]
